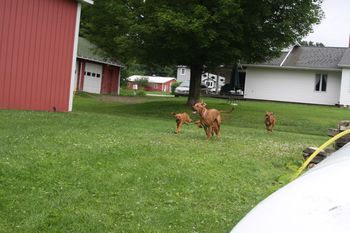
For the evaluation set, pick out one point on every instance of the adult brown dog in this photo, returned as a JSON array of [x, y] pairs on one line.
[[210, 119], [270, 121], [181, 118]]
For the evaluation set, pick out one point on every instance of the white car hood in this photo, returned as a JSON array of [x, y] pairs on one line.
[[318, 201]]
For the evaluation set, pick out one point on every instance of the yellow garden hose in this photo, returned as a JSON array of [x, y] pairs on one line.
[[313, 155]]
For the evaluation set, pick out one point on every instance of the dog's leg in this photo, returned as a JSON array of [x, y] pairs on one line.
[[178, 127], [209, 132]]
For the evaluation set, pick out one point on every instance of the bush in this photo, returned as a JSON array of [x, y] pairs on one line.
[[124, 91], [141, 93], [174, 86]]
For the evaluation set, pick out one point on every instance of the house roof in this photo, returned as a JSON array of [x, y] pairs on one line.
[[301, 57], [151, 79], [86, 1], [89, 51], [345, 61]]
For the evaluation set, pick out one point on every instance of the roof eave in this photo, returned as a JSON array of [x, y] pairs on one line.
[[293, 67], [99, 61], [344, 66], [86, 1]]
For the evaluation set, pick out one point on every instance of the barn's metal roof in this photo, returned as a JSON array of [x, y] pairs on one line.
[[89, 51], [304, 57]]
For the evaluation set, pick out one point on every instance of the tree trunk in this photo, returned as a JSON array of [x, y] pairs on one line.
[[195, 84]]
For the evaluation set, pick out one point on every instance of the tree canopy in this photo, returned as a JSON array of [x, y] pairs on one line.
[[311, 43], [198, 33]]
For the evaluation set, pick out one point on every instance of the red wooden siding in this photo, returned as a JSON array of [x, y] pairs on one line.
[[110, 77], [155, 86], [81, 71], [36, 49], [110, 80]]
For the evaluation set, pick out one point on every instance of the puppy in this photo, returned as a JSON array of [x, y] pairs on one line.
[[270, 121], [181, 118]]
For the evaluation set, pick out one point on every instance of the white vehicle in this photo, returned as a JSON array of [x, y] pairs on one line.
[[184, 89], [318, 201]]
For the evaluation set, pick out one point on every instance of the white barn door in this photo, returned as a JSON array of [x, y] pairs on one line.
[[92, 78]]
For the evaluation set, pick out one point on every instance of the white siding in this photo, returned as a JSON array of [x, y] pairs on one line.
[[345, 88], [291, 86], [183, 74]]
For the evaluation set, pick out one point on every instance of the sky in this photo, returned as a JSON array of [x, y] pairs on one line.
[[334, 30]]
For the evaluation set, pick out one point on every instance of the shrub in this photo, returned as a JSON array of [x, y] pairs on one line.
[[141, 93], [174, 86]]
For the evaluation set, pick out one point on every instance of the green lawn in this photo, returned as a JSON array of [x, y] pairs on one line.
[[114, 164]]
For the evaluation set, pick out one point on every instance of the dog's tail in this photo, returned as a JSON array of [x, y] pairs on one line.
[[229, 111]]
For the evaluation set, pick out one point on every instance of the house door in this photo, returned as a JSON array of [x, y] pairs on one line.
[[92, 78]]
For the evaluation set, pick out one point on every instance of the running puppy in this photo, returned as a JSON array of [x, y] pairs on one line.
[[181, 118], [270, 121]]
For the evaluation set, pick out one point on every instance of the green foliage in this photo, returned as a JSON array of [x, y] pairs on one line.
[[311, 44], [208, 33], [141, 93], [114, 164], [124, 91], [174, 85], [141, 82], [198, 33]]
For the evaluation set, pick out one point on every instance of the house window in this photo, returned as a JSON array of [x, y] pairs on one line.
[[321, 82], [183, 71]]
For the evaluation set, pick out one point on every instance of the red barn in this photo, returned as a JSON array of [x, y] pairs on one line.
[[95, 73], [38, 44], [155, 83]]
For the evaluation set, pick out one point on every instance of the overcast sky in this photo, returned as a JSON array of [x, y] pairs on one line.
[[334, 29]]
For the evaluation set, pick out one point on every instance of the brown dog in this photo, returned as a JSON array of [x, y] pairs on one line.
[[210, 119], [270, 121], [181, 118]]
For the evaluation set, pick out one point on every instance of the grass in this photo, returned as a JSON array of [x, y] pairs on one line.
[[115, 165]]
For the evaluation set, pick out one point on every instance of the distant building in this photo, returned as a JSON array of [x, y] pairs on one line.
[[315, 75], [95, 73], [155, 83], [212, 81]]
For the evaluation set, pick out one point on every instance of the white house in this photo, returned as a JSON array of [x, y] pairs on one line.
[[212, 81], [315, 75]]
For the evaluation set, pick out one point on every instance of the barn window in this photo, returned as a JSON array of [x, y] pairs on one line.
[[321, 82], [88, 74], [93, 74], [98, 75]]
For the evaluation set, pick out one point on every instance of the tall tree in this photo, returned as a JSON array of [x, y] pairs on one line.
[[198, 33]]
